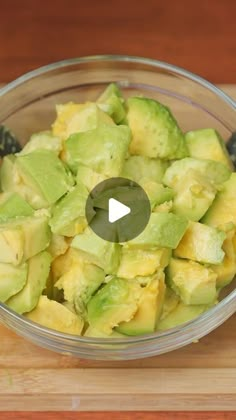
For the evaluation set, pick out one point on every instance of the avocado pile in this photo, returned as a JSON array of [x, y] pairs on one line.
[[57, 272]]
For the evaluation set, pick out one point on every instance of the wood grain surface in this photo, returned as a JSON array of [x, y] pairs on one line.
[[198, 35]]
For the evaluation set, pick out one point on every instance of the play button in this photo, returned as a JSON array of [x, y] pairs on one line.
[[118, 210]]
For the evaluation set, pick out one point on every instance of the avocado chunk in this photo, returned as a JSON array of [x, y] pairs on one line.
[[40, 166], [155, 132], [116, 302], [23, 238], [69, 212], [194, 196], [164, 230], [223, 208], [58, 246], [214, 172], [53, 315], [149, 309], [208, 144], [227, 269], [38, 270], [201, 243], [111, 102], [170, 302], [13, 205], [181, 314], [138, 167], [141, 262], [98, 251], [12, 181], [12, 280], [76, 118], [92, 332], [157, 193], [193, 282], [79, 284], [43, 140], [103, 149], [88, 177]]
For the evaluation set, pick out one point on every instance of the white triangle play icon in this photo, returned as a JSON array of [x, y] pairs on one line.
[[117, 210]]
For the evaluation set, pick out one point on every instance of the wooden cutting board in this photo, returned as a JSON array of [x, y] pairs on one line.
[[201, 376]]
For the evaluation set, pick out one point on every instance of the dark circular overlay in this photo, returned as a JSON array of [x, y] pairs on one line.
[[126, 192]]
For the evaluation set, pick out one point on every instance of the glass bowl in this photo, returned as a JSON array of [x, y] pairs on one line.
[[27, 105]]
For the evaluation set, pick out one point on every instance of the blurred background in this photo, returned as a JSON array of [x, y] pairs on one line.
[[197, 35]]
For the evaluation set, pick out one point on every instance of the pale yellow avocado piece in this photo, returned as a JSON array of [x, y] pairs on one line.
[[11, 245], [194, 283], [38, 271], [58, 246], [170, 302], [56, 316], [63, 263], [201, 243], [149, 308], [12, 280], [92, 332], [74, 118], [140, 262], [227, 269], [181, 314]]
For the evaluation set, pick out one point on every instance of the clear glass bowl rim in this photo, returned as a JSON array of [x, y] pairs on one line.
[[183, 328]]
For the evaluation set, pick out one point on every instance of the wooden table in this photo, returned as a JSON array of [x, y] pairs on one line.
[[197, 35]]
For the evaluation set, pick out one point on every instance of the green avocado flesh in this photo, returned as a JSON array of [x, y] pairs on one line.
[[57, 272]]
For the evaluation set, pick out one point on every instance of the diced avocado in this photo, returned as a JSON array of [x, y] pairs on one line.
[[37, 235], [157, 193], [92, 332], [98, 251], [23, 238], [111, 102], [214, 172], [12, 181], [137, 167], [63, 263], [208, 144], [165, 207], [69, 211], [13, 205], [193, 282], [38, 270], [88, 177], [58, 246], [194, 196], [155, 132], [75, 118], [43, 172], [181, 314], [201, 243], [141, 262], [223, 208], [149, 309], [170, 302], [116, 302], [164, 230], [53, 315], [103, 149], [227, 269], [7, 173], [43, 140], [12, 280], [79, 284], [11, 244]]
